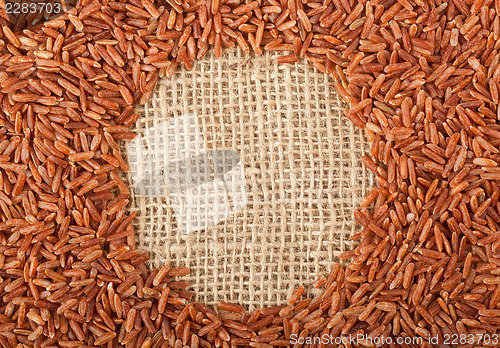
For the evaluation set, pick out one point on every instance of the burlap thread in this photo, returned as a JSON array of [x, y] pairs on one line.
[[301, 166]]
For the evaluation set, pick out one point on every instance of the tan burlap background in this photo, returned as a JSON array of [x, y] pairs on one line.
[[302, 176]]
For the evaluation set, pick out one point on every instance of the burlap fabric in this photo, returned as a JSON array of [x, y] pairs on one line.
[[288, 195]]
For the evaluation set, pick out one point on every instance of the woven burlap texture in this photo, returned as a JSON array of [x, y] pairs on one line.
[[303, 177]]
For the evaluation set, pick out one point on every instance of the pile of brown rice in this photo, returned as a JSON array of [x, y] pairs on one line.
[[422, 78]]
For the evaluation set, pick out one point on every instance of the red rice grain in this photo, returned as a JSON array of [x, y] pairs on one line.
[[421, 78]]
